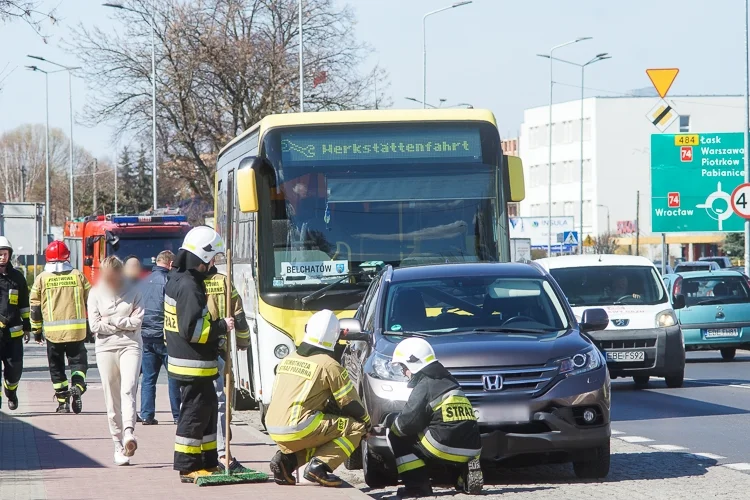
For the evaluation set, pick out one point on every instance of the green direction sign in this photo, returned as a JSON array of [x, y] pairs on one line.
[[692, 178]]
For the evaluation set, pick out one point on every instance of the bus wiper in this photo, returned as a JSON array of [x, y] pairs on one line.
[[322, 291]]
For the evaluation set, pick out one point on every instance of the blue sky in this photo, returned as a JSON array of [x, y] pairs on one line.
[[482, 53]]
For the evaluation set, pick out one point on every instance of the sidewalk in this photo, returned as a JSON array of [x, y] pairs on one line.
[[44, 455]]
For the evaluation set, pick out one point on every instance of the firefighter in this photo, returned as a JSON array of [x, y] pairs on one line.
[[301, 419], [193, 342], [14, 322], [58, 308], [436, 427], [216, 285]]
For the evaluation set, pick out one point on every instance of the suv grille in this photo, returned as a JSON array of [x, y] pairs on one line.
[[515, 380], [626, 344]]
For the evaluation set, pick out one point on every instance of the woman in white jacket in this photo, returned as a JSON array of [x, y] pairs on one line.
[[115, 315]]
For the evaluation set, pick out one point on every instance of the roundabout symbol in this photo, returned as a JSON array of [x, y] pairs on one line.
[[718, 213]]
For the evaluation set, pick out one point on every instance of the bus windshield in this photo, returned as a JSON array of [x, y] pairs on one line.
[[146, 249], [350, 199]]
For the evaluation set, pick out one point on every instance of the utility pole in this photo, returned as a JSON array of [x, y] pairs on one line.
[[301, 64], [96, 164], [116, 185], [23, 184], [747, 131], [637, 222]]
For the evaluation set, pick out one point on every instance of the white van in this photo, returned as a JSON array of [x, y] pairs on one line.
[[643, 337]]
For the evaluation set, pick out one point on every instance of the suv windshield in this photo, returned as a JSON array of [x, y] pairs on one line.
[[715, 290], [610, 285], [446, 305]]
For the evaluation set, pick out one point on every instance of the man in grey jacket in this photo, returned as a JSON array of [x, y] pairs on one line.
[[154, 348]]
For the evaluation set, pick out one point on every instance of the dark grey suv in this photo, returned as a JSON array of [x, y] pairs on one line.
[[539, 387]]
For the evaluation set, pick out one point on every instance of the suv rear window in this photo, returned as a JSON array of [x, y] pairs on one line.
[[610, 285], [715, 290], [685, 268], [446, 305]]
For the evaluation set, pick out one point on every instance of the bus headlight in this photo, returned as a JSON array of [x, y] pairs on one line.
[[281, 351]]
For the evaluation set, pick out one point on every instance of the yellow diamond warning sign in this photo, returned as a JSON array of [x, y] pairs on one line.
[[662, 115], [662, 79]]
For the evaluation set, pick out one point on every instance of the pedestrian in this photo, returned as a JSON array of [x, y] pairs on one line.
[[115, 315], [216, 285], [193, 341], [58, 310], [301, 419], [14, 323], [436, 427], [154, 348], [132, 270]]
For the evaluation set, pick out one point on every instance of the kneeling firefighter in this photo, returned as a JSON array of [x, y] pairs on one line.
[[300, 418], [436, 427]]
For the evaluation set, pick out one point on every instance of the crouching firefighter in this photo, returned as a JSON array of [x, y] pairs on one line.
[[436, 427], [14, 322], [193, 342], [58, 308], [300, 418]]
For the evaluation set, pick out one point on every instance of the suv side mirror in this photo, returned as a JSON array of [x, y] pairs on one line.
[[593, 320], [678, 302], [351, 329]]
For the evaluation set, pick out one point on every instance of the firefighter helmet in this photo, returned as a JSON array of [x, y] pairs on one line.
[[57, 251], [414, 354], [322, 330], [204, 243], [5, 244]]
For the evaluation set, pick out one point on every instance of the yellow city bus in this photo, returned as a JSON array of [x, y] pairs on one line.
[[321, 201]]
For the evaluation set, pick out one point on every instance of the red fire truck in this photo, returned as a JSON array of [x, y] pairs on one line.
[[91, 239]]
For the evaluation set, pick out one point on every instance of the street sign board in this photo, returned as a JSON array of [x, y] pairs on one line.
[[662, 115], [570, 238], [691, 193], [536, 228], [662, 79], [741, 200], [589, 241]]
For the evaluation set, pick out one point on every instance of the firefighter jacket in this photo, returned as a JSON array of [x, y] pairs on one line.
[[58, 305], [216, 285], [440, 416], [14, 303], [192, 336], [305, 382]]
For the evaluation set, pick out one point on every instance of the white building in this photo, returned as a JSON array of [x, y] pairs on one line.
[[616, 156]]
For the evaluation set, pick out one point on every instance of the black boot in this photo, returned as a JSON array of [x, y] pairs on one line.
[[283, 466], [12, 398], [63, 405], [75, 393], [318, 472], [471, 479], [415, 491]]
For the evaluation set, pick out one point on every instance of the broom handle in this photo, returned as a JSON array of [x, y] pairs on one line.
[[228, 365]]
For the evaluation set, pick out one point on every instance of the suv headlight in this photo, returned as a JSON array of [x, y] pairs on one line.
[[582, 362], [384, 370], [666, 318]]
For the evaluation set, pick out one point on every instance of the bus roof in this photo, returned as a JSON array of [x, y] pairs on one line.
[[365, 116]]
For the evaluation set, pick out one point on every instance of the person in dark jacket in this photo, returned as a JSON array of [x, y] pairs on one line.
[[154, 350], [14, 323], [193, 342], [437, 425]]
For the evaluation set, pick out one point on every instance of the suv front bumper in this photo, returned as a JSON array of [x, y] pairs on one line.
[[664, 351]]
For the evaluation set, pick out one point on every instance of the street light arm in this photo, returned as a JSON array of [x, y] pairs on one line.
[[571, 42]]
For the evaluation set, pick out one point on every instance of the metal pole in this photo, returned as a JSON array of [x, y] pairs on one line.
[[747, 133], [70, 144], [424, 61], [549, 165], [153, 100], [301, 65], [580, 234], [637, 222], [47, 207], [36, 237], [116, 175], [95, 165], [664, 254], [23, 184]]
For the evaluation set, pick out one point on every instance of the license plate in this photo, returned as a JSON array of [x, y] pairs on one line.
[[625, 356], [718, 333], [503, 412]]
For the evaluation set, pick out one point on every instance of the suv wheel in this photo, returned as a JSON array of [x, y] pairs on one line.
[[728, 354], [376, 475], [354, 462], [596, 464], [641, 381], [675, 381]]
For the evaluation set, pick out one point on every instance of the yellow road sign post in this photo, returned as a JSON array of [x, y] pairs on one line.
[[662, 79]]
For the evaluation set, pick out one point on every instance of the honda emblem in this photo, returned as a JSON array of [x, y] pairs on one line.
[[492, 382]]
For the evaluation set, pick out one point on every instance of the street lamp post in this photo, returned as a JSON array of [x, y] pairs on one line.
[[153, 85], [549, 177], [301, 65], [596, 58], [424, 47], [747, 131]]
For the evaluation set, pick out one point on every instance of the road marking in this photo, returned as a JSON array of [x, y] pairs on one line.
[[710, 456], [636, 439], [617, 433], [739, 466], [667, 447], [703, 382]]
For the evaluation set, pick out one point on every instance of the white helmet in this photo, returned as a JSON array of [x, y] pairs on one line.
[[322, 330], [414, 353], [203, 242], [5, 244]]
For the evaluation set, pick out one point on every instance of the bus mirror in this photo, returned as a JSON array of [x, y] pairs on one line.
[[90, 245], [515, 176], [247, 191]]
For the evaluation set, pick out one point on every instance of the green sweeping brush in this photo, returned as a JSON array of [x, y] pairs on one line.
[[246, 475]]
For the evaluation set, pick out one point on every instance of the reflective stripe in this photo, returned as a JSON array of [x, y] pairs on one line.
[[25, 312], [435, 403], [366, 418], [188, 450], [297, 405], [68, 324], [36, 325], [78, 302], [409, 462], [309, 453], [25, 315], [447, 452], [192, 372], [348, 387], [188, 441], [242, 334], [169, 300], [397, 428], [209, 438], [60, 385], [294, 432], [345, 445], [16, 331], [202, 329], [169, 308], [209, 446], [10, 387], [49, 304], [78, 374], [192, 363]]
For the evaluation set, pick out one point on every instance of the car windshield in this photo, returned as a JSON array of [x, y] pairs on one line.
[[715, 290], [446, 305], [146, 249], [610, 285], [685, 268]]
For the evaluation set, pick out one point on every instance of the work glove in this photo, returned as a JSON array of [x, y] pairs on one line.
[[38, 337]]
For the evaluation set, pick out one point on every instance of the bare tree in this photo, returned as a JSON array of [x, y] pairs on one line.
[[222, 66], [605, 243], [27, 11]]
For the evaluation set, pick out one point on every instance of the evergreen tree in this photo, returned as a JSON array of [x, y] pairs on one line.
[[143, 182], [126, 182], [734, 245]]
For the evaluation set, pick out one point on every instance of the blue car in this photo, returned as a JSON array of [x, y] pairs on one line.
[[716, 316]]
